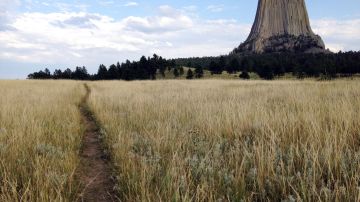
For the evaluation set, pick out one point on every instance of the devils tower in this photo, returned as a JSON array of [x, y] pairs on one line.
[[281, 26]]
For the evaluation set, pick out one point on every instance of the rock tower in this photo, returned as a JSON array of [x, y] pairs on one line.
[[281, 26]]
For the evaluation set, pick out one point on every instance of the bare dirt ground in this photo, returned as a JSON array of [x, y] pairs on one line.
[[95, 171]]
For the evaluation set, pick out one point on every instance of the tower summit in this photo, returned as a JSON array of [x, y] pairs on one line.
[[281, 26]]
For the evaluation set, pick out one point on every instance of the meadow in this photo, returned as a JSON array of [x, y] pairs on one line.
[[178, 140], [40, 135], [217, 140]]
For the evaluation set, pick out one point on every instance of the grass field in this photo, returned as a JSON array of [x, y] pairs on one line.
[[176, 140], [217, 140], [39, 140]]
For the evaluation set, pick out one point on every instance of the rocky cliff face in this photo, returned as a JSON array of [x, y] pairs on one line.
[[281, 26]]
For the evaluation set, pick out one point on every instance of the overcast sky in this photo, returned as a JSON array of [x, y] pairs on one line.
[[35, 34]]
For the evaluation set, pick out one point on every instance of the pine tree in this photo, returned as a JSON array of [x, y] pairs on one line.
[[213, 67], [112, 72], [119, 70], [222, 65], [199, 72], [57, 74], [190, 74], [181, 71], [234, 66], [176, 72], [244, 75], [102, 72]]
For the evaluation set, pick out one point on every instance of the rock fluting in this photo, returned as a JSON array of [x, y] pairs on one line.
[[281, 26]]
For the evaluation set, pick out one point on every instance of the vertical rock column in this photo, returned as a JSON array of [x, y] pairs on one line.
[[281, 26]]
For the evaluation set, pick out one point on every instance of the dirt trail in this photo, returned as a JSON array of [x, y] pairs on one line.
[[95, 171]]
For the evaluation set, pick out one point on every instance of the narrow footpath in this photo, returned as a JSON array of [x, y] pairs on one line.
[[95, 171]]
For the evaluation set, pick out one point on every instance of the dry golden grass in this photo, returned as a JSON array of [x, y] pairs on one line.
[[216, 140], [40, 135]]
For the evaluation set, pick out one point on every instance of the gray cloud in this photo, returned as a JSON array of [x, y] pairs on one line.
[[83, 21]]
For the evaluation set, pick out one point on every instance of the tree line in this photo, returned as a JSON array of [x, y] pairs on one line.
[[267, 66], [144, 69], [271, 65]]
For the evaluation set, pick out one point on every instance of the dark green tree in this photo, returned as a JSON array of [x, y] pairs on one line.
[[112, 72], [47, 73], [181, 70], [222, 64], [266, 72], [190, 74], [80, 73], [172, 65], [162, 66], [176, 72], [199, 72], [246, 64], [57, 74], [233, 66], [213, 67], [102, 73], [119, 70], [189, 64], [67, 74], [244, 75]]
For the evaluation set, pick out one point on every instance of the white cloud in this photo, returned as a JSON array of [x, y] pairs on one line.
[[215, 8], [169, 20], [89, 39], [338, 34], [131, 4]]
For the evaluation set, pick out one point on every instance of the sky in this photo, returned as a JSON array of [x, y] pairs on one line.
[[36, 34]]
